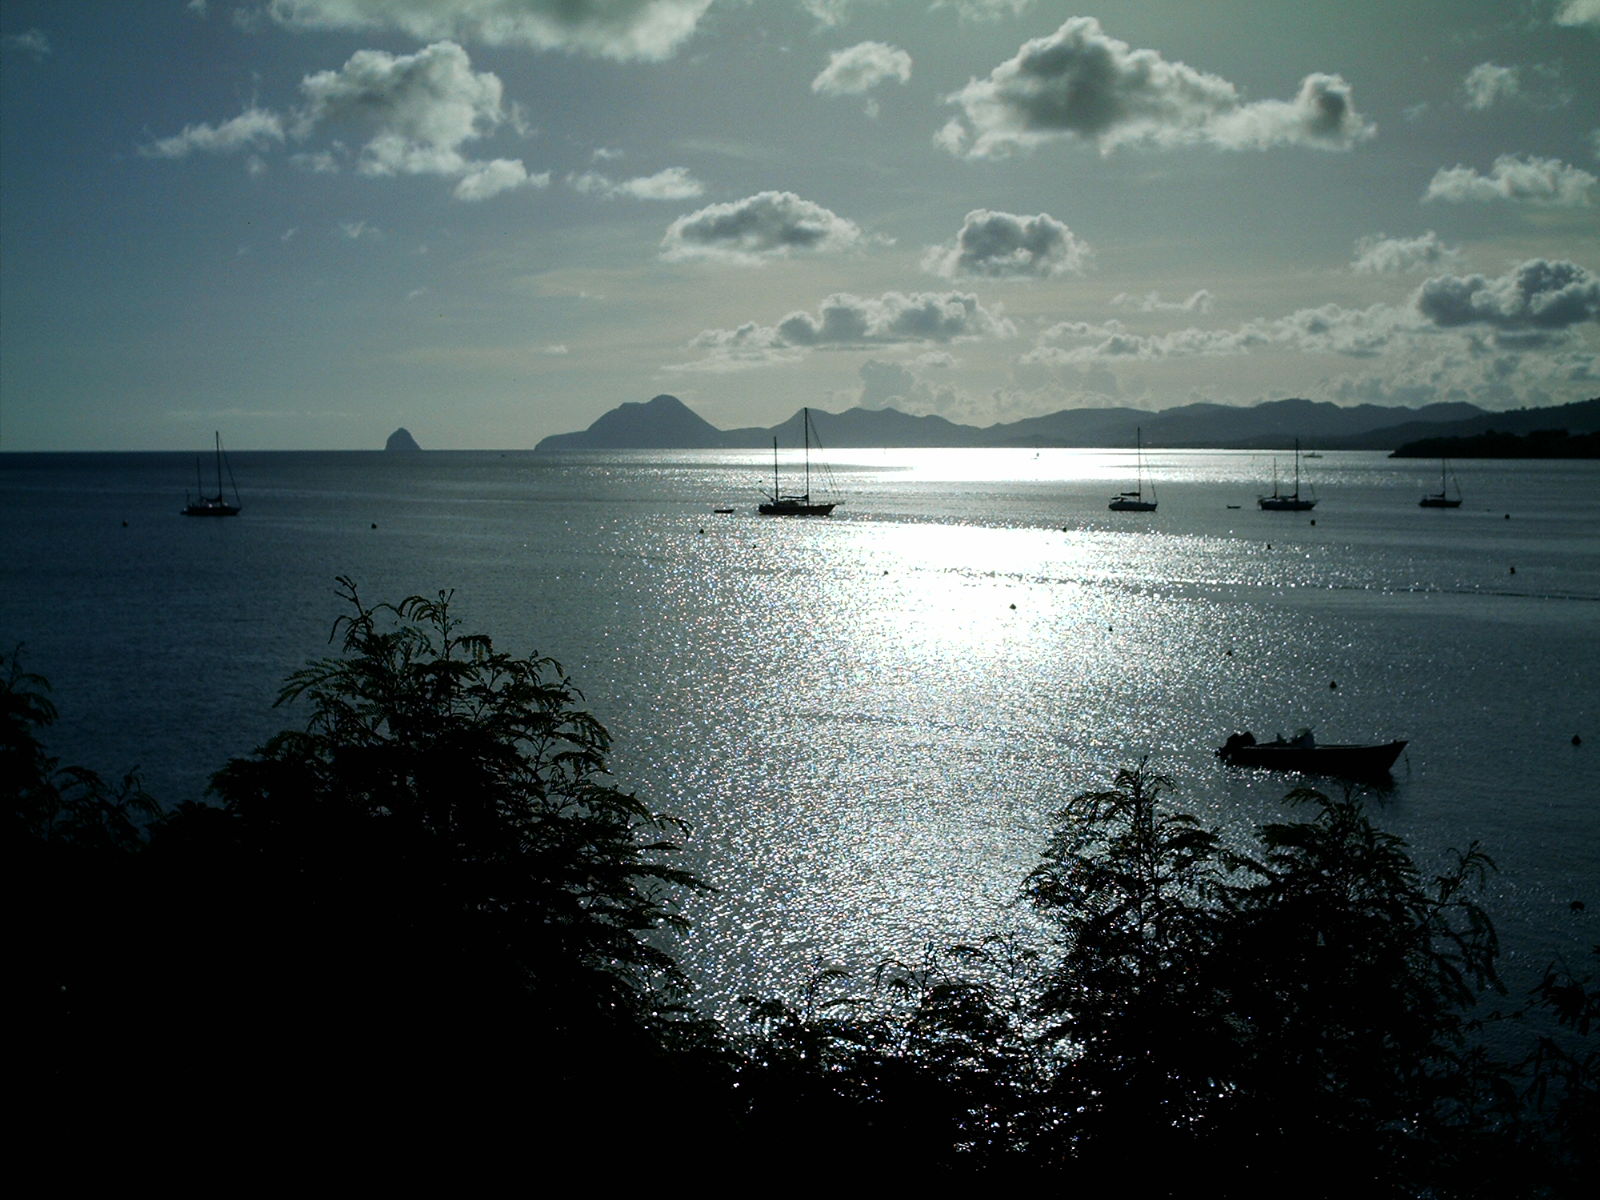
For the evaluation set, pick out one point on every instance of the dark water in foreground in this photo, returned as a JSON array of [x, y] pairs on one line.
[[868, 720]]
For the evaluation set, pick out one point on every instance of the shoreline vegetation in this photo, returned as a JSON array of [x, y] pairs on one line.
[[424, 922], [1541, 443]]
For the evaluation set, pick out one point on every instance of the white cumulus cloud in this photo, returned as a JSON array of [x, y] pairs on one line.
[[760, 227], [1383, 255], [673, 183], [1487, 83], [1000, 245], [1523, 179], [861, 68], [846, 321], [646, 30], [1200, 302], [411, 114], [249, 130], [1079, 83], [1579, 12]]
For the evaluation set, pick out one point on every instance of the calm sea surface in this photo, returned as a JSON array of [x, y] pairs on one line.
[[869, 720]]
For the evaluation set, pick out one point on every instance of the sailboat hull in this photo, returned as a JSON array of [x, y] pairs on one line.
[[1285, 504], [789, 507], [1438, 502], [211, 508], [1121, 504]]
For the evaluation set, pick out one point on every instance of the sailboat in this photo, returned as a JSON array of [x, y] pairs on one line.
[[792, 504], [1292, 501], [1134, 501], [1441, 498], [212, 506]]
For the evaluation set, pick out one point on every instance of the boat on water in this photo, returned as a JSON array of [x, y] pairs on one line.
[[795, 504], [1134, 501], [215, 505], [1304, 754], [1287, 501], [1441, 498]]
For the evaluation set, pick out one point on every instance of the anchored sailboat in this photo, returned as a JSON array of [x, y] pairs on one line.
[[1134, 501], [212, 506], [1292, 501], [1441, 498], [793, 504]]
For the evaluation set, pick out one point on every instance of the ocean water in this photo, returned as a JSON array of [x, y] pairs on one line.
[[869, 720]]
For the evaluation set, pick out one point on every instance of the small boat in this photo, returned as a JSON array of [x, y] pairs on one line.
[[722, 511], [1134, 501], [800, 504], [1441, 498], [1286, 502], [212, 506], [1302, 753]]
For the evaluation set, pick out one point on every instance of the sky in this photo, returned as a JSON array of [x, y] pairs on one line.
[[308, 222]]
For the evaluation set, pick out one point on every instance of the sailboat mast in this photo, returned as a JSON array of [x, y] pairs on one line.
[[217, 435], [1297, 468], [805, 421], [774, 468]]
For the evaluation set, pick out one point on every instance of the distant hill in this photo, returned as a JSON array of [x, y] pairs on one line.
[[666, 423], [401, 441], [662, 423], [1567, 431]]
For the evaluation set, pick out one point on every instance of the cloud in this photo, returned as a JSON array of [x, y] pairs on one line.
[[1526, 180], [624, 30], [673, 183], [999, 245], [1538, 86], [1201, 302], [1329, 329], [1540, 296], [1579, 12], [1384, 255], [1487, 84], [985, 10], [356, 230], [485, 179], [419, 109], [1081, 84], [33, 42], [251, 129], [415, 112], [861, 68], [760, 227], [845, 321]]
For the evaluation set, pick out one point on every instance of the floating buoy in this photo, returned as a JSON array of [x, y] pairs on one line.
[[1269, 545], [1576, 740], [1313, 520], [1333, 684], [1230, 651], [124, 524], [1013, 608], [1576, 906], [1508, 516], [1513, 570]]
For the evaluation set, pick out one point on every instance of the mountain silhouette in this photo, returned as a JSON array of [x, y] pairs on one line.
[[666, 423]]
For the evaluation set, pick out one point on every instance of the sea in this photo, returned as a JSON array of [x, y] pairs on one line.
[[870, 721]]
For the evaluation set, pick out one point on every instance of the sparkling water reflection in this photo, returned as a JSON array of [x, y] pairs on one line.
[[869, 720]]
